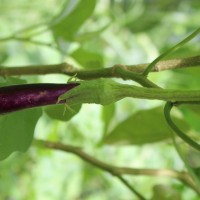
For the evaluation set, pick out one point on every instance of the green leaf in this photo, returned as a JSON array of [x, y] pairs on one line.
[[16, 131], [189, 157], [145, 126], [191, 115], [61, 112], [147, 22], [68, 26], [88, 58], [10, 81], [90, 35], [193, 157], [149, 14], [186, 78], [3, 56], [107, 115], [165, 192]]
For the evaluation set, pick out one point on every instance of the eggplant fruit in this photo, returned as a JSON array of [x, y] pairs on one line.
[[18, 97]]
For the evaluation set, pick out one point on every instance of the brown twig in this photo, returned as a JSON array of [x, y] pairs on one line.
[[77, 151], [65, 68], [119, 171]]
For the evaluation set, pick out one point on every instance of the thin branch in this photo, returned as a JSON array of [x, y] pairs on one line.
[[65, 68], [172, 64], [170, 50], [24, 30], [77, 151], [27, 39], [130, 187], [119, 171]]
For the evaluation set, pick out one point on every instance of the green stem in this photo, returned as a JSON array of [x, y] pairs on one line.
[[26, 39], [32, 28], [124, 73], [182, 135], [159, 94], [106, 91], [65, 68], [131, 188], [187, 39]]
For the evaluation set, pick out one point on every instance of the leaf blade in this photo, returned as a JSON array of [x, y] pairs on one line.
[[16, 131], [143, 127], [70, 24], [59, 112]]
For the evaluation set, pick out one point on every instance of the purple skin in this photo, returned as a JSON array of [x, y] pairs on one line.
[[18, 97]]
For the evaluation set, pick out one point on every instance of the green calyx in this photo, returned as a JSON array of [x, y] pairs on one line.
[[106, 91], [100, 91]]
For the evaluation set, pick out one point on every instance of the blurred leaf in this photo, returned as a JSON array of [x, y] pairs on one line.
[[88, 58], [107, 115], [193, 107], [61, 112], [16, 131], [187, 78], [165, 192], [145, 126], [87, 36], [92, 180], [161, 5], [10, 81], [188, 156], [3, 56], [192, 115], [66, 8], [150, 14], [68, 26], [146, 22], [193, 158], [35, 57]]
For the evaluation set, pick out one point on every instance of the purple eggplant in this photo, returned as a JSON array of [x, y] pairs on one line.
[[18, 97]]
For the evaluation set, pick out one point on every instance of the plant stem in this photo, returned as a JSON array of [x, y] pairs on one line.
[[26, 39], [117, 171], [184, 96], [65, 68], [184, 41], [87, 158], [183, 136], [130, 187]]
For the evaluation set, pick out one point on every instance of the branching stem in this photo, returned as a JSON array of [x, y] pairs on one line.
[[118, 171], [65, 68], [89, 159]]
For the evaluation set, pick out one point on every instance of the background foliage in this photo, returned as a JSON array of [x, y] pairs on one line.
[[90, 34]]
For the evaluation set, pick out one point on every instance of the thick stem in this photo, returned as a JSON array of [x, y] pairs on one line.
[[65, 68], [158, 94]]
